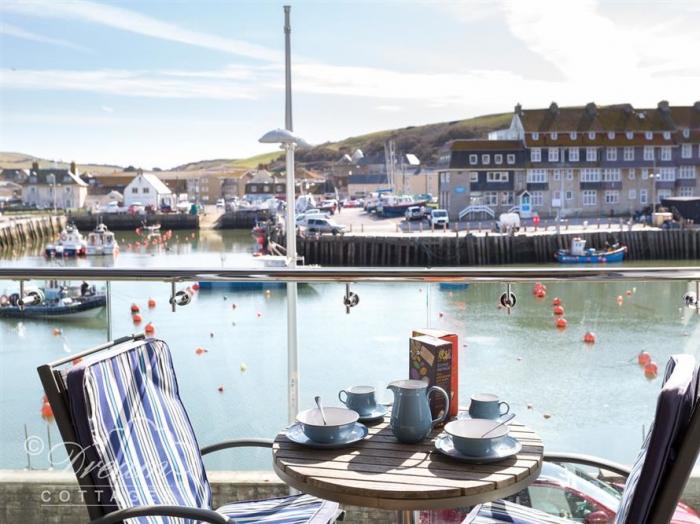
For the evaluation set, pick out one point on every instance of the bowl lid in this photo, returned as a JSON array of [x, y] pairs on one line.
[[334, 417], [474, 428]]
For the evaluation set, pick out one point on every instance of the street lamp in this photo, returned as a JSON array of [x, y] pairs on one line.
[[654, 177]]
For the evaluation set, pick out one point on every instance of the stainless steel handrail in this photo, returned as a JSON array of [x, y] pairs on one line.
[[382, 274]]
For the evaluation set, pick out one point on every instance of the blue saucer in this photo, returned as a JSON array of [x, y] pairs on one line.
[[296, 435], [377, 414], [465, 414], [502, 451]]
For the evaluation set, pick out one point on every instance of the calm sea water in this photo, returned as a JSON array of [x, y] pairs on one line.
[[585, 398]]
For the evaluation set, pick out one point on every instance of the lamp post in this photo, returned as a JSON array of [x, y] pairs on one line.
[[654, 177]]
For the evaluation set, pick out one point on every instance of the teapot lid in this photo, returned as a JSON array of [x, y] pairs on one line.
[[409, 384]]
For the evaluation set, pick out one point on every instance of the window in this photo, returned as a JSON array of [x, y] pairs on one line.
[[648, 135], [628, 154], [590, 197], [611, 175], [511, 159], [686, 151], [667, 135], [473, 159], [645, 173], [569, 195], [590, 154], [145, 190], [631, 174], [473, 176], [591, 135], [686, 172], [612, 197], [553, 154], [557, 175], [629, 135], [643, 198], [491, 198], [279, 188], [536, 176], [686, 133], [632, 194], [134, 190], [686, 191], [590, 175], [569, 174], [485, 159], [556, 199], [573, 154], [536, 154], [663, 193], [668, 174], [611, 153], [537, 198], [665, 153], [573, 135], [498, 159], [507, 198], [611, 135], [555, 135], [648, 152], [535, 136], [497, 176]]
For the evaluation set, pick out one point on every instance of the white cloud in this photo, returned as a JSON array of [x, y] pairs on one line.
[[134, 22], [389, 108], [107, 109], [18, 32]]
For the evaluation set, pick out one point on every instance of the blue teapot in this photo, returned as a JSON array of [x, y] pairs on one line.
[[411, 420]]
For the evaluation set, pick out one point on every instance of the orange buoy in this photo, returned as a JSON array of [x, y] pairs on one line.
[[561, 323], [195, 286], [200, 351], [541, 293], [629, 292], [76, 361], [556, 301], [136, 318], [151, 303], [135, 308], [46, 411], [643, 358], [149, 329], [57, 332], [589, 337], [651, 370], [558, 311]]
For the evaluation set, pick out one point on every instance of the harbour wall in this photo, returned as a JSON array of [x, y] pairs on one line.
[[124, 222], [461, 249], [16, 232], [241, 219]]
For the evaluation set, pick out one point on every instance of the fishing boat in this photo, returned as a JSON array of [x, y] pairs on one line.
[[101, 241], [54, 301], [579, 254], [70, 244], [396, 206]]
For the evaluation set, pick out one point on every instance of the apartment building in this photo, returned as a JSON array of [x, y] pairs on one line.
[[577, 161]]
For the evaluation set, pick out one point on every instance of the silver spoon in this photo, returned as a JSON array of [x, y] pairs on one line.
[[320, 407], [505, 421]]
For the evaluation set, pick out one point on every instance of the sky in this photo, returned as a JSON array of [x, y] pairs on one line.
[[157, 83]]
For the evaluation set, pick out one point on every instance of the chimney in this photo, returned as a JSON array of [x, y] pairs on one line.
[[554, 108], [35, 166], [73, 169], [591, 109], [663, 106], [518, 109], [696, 105]]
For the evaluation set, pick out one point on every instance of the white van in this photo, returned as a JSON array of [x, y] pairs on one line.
[[439, 218]]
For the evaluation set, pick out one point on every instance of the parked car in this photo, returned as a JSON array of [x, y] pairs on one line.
[[112, 207], [221, 203], [329, 206], [415, 213], [324, 225], [137, 208], [302, 218], [351, 202], [439, 218]]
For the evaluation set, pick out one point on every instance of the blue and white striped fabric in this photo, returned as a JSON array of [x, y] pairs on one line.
[[297, 509], [501, 511], [140, 431]]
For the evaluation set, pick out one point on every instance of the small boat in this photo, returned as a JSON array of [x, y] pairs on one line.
[[54, 301], [148, 231], [101, 241], [578, 254], [70, 244], [396, 206]]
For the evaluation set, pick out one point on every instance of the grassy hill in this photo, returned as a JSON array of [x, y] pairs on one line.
[[223, 164], [13, 160]]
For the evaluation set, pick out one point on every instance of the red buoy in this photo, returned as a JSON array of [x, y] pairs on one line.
[[76, 361], [541, 293], [628, 292], [135, 308], [57, 332], [220, 389], [151, 303], [589, 337], [651, 370], [46, 411], [200, 351], [558, 311], [149, 329], [561, 323], [556, 301], [643, 358], [195, 286], [136, 318]]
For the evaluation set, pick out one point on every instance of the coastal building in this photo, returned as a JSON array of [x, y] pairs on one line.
[[577, 161], [52, 188], [10, 192], [261, 184], [147, 189]]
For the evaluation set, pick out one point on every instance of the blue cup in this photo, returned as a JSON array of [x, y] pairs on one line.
[[359, 398], [338, 427], [476, 437], [486, 405]]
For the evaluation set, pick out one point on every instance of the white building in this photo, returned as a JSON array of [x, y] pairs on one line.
[[148, 190], [54, 188]]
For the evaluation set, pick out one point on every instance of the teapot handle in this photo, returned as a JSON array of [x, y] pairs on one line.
[[447, 403]]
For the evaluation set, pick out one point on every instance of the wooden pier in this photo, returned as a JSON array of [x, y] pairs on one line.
[[470, 250], [16, 232]]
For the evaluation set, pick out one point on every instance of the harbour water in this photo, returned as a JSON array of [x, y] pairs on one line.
[[585, 398]]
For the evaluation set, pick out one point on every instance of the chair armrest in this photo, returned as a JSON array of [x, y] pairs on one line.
[[588, 460], [197, 514], [237, 443]]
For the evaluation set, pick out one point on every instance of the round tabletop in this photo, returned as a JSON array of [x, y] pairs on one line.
[[380, 472]]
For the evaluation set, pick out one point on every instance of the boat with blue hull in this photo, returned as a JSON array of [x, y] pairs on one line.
[[579, 254]]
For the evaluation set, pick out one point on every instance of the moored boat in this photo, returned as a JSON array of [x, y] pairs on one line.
[[101, 241], [53, 301], [578, 254], [70, 243], [396, 206]]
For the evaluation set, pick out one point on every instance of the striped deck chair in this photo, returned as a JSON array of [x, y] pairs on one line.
[[133, 448], [658, 477]]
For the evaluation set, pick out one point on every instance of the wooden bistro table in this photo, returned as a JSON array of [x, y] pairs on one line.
[[380, 472]]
